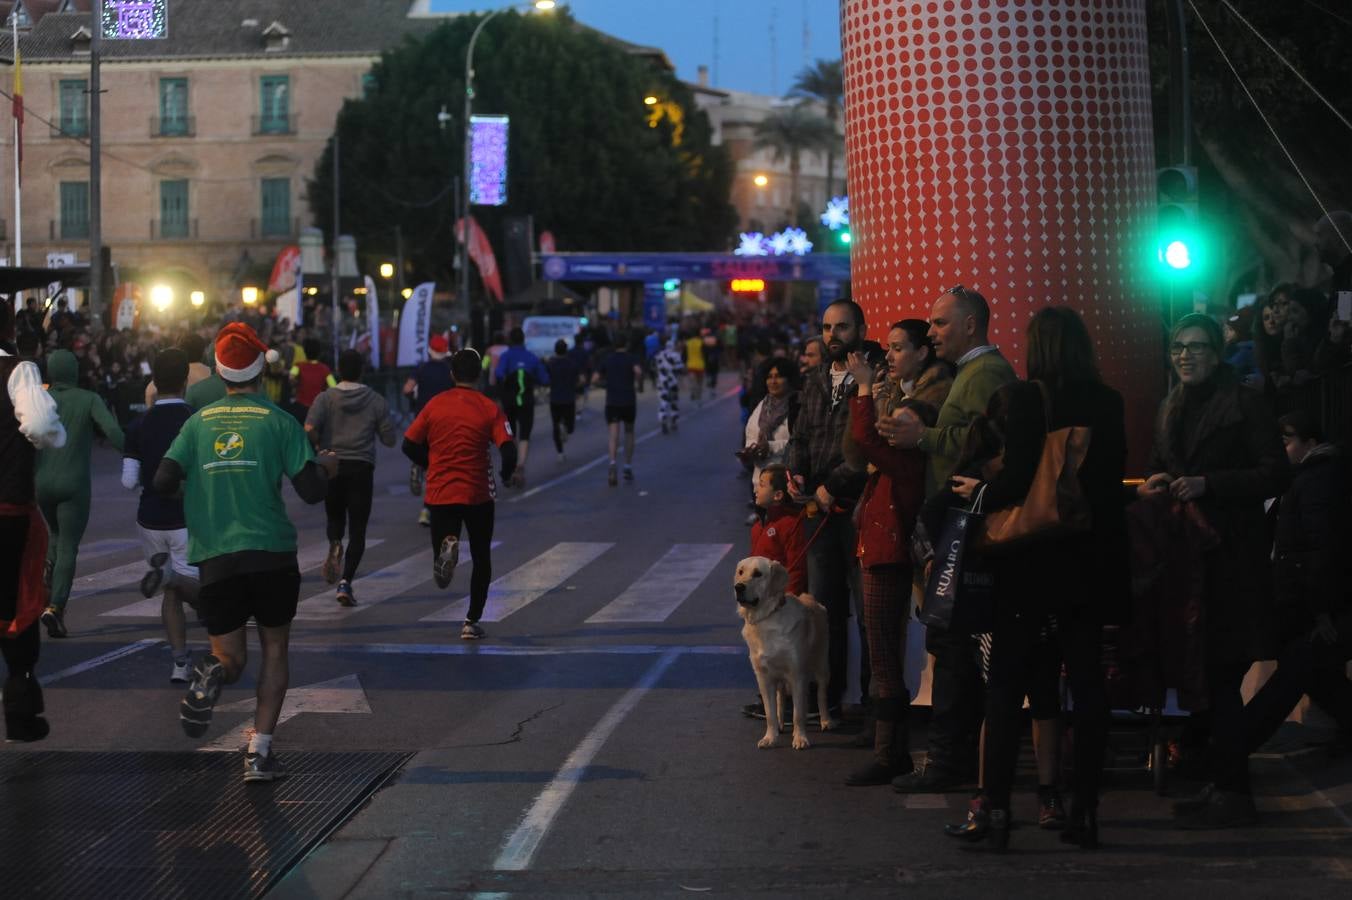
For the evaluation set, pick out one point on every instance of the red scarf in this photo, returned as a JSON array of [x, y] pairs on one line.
[[32, 589]]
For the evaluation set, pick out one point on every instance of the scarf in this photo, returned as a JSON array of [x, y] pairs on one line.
[[773, 412]]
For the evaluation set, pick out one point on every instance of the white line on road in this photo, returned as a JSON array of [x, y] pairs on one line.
[[528, 583], [521, 846], [477, 648], [665, 586], [337, 695], [78, 668]]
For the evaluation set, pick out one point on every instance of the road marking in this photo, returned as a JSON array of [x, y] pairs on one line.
[[528, 583], [338, 695], [310, 557], [78, 668], [96, 549], [478, 648], [372, 589], [522, 844], [665, 586]]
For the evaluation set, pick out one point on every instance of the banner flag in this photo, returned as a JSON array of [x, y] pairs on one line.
[[285, 270], [373, 320], [415, 325], [481, 251]]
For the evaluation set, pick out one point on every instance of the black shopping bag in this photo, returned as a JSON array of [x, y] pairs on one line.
[[960, 590]]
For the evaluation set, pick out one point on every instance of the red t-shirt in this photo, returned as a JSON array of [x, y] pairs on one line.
[[460, 427], [312, 378]]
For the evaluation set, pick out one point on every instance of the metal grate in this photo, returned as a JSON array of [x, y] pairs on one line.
[[168, 825]]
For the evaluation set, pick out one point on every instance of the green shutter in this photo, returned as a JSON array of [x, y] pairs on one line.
[[174, 209], [74, 107], [274, 106], [276, 206], [74, 209], [173, 106]]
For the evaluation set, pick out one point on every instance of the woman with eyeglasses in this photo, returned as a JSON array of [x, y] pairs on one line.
[[1217, 445]]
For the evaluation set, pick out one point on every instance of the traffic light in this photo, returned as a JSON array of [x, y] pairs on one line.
[[1178, 238], [671, 284], [843, 237]]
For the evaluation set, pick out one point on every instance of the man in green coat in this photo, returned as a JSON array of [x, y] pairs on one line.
[[63, 482]]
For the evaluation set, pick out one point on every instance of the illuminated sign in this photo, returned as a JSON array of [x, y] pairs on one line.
[[488, 160], [135, 20], [748, 285]]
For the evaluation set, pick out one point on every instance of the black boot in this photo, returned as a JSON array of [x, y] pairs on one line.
[[23, 709], [1082, 826], [995, 838], [977, 823], [891, 747]]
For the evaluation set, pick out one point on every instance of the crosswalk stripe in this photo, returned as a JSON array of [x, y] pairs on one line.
[[660, 590], [96, 549], [310, 556], [528, 583], [377, 587]]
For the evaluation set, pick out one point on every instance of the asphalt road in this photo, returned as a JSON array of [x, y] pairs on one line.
[[592, 743]]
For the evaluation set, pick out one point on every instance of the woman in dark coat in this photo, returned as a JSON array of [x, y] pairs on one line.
[[1217, 445], [1066, 586]]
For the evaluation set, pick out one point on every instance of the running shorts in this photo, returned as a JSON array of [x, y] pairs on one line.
[[269, 598], [625, 414], [521, 419], [173, 541]]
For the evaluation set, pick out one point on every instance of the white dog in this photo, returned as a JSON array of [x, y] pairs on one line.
[[787, 637]]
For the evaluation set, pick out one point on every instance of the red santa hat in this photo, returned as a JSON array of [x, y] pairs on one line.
[[239, 353], [438, 347]]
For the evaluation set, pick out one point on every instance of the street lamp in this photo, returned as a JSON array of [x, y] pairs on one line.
[[197, 298], [543, 6], [161, 296], [387, 270], [650, 100], [249, 295], [760, 181]]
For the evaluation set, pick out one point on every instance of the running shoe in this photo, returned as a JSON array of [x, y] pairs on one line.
[[415, 480], [55, 622], [628, 473], [471, 631], [345, 596], [182, 669], [612, 479], [194, 713], [443, 567], [261, 767], [425, 518], [333, 563], [152, 581]]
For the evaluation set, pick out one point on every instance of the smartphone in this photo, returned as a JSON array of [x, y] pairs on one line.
[[1344, 302]]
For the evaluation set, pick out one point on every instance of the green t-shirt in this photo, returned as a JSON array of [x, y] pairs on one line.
[[234, 454], [205, 392]]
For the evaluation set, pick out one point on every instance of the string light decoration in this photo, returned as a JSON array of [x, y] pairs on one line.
[[837, 215], [135, 20], [789, 242], [488, 160]]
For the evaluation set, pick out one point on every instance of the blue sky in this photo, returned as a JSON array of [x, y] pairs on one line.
[[685, 30]]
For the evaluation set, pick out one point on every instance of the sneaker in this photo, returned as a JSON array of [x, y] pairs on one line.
[[345, 597], [333, 563], [194, 713], [425, 518], [182, 669], [415, 480], [152, 581], [563, 458], [54, 620], [628, 473], [471, 631], [611, 478], [261, 767], [1051, 813], [443, 567]]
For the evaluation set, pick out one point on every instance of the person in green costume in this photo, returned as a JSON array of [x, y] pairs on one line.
[[63, 482]]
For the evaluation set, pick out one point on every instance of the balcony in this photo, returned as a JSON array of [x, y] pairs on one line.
[[267, 229], [72, 128], [272, 125], [173, 230], [179, 126]]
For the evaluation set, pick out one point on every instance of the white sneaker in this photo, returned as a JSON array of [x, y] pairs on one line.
[[181, 670]]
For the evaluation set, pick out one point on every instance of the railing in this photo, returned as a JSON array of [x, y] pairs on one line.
[[257, 230], [263, 125], [176, 230], [183, 126]]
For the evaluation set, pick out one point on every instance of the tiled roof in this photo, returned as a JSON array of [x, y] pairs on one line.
[[217, 29]]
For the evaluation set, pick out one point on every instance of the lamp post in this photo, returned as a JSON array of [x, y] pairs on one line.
[[467, 186]]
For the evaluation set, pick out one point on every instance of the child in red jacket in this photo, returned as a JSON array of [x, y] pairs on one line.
[[777, 533]]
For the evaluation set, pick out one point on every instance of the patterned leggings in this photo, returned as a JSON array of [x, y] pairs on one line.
[[887, 603]]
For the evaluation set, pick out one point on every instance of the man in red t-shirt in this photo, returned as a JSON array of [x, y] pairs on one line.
[[451, 438], [311, 377]]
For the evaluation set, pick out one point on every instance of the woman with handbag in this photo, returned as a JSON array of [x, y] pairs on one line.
[[768, 428], [1058, 540]]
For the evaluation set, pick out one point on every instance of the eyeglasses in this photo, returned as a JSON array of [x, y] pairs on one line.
[[1192, 348], [958, 291]]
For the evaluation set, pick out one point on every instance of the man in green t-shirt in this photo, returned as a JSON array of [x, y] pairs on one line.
[[229, 459]]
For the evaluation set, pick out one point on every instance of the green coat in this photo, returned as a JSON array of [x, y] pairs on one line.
[[64, 471], [972, 389]]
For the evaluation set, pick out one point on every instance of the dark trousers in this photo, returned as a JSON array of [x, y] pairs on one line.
[[1298, 673], [1016, 644], [563, 416], [348, 507], [832, 571], [478, 521], [21, 651], [957, 702], [1229, 743]]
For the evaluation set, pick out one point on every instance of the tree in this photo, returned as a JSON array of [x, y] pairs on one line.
[[789, 133], [583, 157], [825, 83]]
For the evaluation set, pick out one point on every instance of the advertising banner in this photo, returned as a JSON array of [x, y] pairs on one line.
[[373, 320], [415, 324]]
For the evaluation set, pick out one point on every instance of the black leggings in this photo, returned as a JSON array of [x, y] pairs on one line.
[[21, 651], [564, 418], [478, 521], [348, 507]]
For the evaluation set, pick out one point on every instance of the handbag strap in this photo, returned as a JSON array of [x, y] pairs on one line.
[[979, 501]]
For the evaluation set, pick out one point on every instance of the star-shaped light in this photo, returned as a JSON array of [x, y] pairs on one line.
[[779, 242], [799, 245], [753, 244], [837, 215]]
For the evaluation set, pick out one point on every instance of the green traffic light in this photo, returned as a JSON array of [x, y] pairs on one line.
[[844, 237], [1177, 255]]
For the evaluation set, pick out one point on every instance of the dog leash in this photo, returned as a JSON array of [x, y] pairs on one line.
[[826, 514]]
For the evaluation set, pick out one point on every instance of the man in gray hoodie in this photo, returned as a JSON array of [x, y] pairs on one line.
[[347, 419]]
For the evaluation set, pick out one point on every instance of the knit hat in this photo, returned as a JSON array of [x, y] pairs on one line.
[[438, 347], [239, 353]]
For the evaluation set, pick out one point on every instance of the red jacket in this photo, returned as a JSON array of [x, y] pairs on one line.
[[778, 535], [886, 511]]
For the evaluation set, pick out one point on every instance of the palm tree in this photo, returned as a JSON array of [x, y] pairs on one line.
[[825, 83], [790, 132]]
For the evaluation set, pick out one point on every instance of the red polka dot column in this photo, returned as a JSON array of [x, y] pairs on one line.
[[1006, 145]]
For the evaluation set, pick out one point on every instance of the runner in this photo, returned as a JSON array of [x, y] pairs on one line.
[[428, 380], [28, 422], [518, 372], [669, 370], [159, 519], [311, 377], [563, 382], [64, 481], [347, 419], [230, 458], [450, 438], [694, 364], [620, 370]]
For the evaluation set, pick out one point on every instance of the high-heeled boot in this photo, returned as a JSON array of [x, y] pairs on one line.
[[1082, 826], [891, 747]]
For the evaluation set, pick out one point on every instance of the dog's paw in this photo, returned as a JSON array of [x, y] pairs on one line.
[[768, 741], [800, 742], [827, 724]]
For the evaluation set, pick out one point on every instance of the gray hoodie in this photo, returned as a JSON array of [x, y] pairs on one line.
[[347, 419]]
